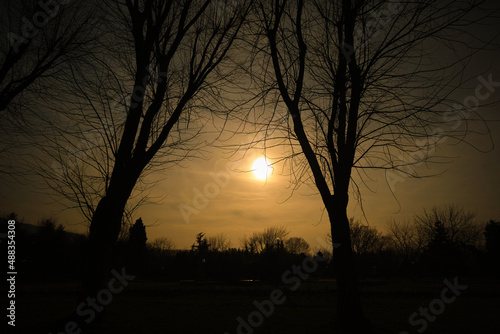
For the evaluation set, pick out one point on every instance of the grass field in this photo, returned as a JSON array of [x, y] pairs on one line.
[[196, 307]]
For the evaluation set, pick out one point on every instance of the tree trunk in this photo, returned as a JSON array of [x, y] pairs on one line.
[[349, 311], [104, 231]]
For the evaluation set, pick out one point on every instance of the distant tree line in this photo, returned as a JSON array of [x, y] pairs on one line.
[[442, 241]]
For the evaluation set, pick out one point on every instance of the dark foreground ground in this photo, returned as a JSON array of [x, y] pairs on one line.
[[195, 308]]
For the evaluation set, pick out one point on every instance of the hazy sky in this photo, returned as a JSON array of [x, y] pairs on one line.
[[242, 204]]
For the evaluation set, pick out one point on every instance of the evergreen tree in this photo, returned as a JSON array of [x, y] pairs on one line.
[[440, 241], [441, 254], [137, 235], [201, 245], [137, 246]]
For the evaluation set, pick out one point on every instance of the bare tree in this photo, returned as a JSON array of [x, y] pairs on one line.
[[246, 244], [459, 224], [162, 245], [297, 245], [219, 242], [353, 86], [273, 233], [269, 237], [136, 103], [259, 241], [365, 239], [407, 240]]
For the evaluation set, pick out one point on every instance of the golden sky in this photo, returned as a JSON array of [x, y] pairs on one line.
[[239, 203]]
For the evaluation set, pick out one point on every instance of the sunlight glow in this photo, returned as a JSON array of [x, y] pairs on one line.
[[262, 168]]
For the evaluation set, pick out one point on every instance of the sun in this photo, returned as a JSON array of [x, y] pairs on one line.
[[262, 168]]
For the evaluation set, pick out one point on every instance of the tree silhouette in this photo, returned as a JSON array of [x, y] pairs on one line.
[[137, 103], [201, 250], [137, 246], [440, 241], [407, 240], [297, 245], [441, 254], [353, 86], [201, 246], [163, 245], [219, 243], [457, 222], [137, 235], [365, 239], [259, 241]]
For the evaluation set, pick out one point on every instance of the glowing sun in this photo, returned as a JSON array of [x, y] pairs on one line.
[[262, 168]]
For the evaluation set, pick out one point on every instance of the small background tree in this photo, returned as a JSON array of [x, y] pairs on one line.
[[136, 246], [297, 246], [219, 243]]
